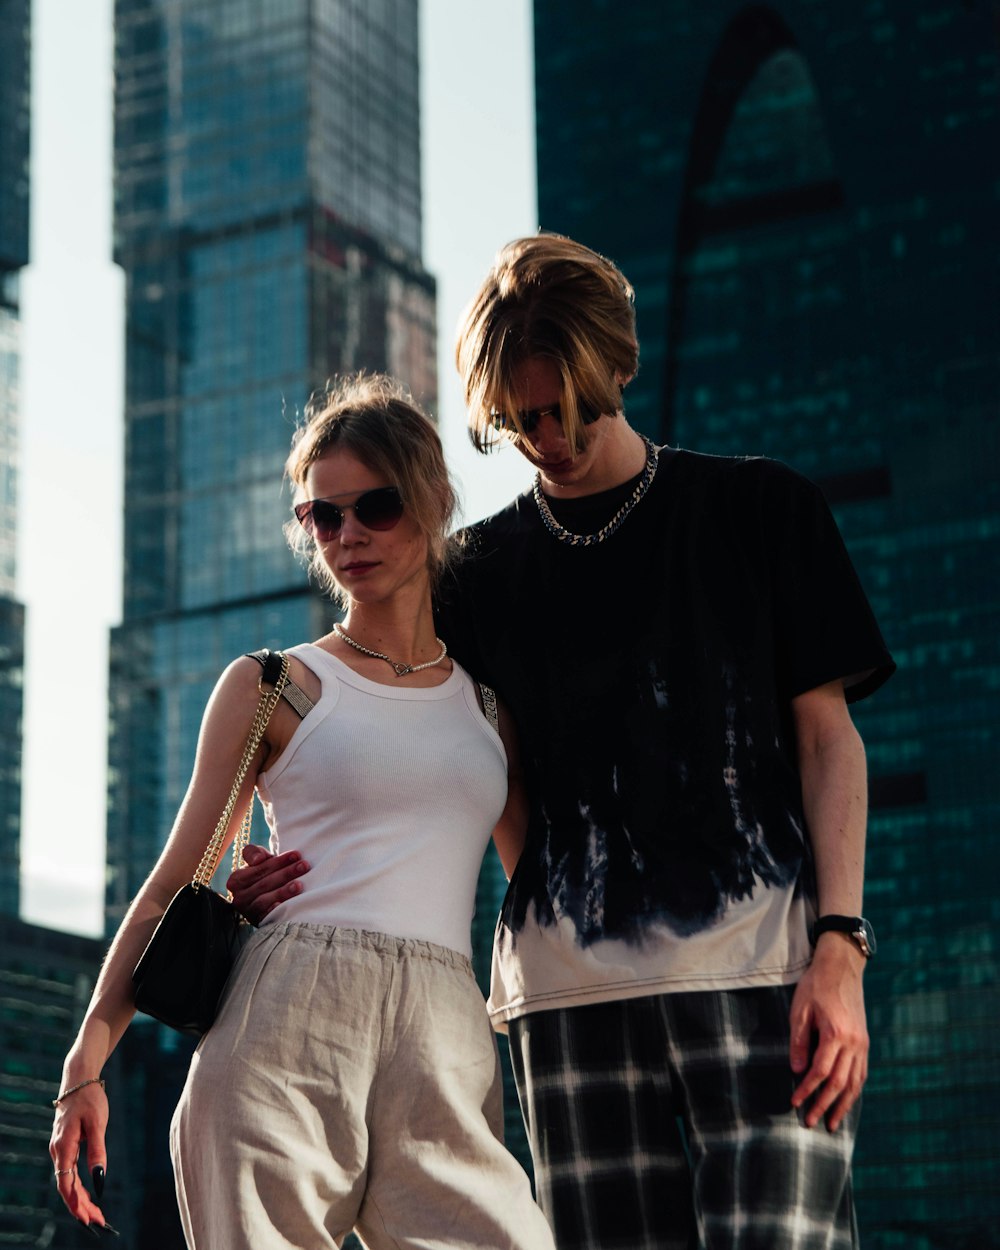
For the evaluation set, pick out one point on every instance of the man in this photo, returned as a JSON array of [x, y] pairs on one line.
[[677, 637]]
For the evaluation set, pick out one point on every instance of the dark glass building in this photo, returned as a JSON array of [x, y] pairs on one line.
[[46, 979], [806, 198], [15, 58], [267, 218]]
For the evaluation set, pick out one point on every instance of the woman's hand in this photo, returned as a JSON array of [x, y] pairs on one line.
[[83, 1116], [81, 1119]]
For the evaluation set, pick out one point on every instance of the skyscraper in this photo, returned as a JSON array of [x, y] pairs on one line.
[[806, 198], [268, 220], [45, 977], [46, 980], [267, 217], [15, 52]]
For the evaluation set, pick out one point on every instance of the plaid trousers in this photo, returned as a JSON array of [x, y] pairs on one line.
[[665, 1122]]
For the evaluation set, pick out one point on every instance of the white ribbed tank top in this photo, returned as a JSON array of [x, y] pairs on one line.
[[391, 795]]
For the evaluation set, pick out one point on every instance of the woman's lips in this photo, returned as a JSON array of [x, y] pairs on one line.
[[359, 566]]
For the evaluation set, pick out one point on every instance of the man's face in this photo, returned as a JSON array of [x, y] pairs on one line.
[[538, 385]]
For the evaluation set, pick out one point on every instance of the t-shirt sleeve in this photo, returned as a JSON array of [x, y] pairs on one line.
[[823, 624], [454, 615]]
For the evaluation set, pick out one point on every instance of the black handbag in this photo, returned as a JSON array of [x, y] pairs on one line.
[[180, 977]]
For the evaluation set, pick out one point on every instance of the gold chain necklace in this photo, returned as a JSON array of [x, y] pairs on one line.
[[589, 540], [401, 670]]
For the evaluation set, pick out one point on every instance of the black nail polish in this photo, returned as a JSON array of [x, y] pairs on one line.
[[106, 1228], [98, 1175], [90, 1230]]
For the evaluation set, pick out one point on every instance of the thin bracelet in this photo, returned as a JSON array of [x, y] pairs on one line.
[[94, 1080]]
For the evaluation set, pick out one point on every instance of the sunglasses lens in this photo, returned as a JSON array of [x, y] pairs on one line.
[[375, 509], [530, 418], [588, 415], [303, 514], [528, 422], [379, 509], [320, 519]]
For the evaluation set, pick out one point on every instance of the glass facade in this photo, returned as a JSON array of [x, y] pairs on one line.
[[15, 64], [11, 700], [45, 978], [259, 262], [45, 983], [267, 218], [806, 199], [11, 611], [10, 355], [15, 57]]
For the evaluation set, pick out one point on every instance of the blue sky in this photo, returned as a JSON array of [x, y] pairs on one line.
[[479, 191]]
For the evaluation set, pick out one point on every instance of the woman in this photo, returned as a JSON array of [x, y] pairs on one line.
[[350, 1079]]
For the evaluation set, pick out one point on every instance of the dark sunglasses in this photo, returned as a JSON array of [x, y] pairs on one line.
[[530, 418], [378, 509]]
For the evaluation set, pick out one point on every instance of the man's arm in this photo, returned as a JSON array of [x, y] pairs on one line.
[[828, 1008], [266, 881], [511, 828]]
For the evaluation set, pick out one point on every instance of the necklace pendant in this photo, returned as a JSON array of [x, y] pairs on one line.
[[401, 670]]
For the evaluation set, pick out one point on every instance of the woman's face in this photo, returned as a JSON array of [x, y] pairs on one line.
[[371, 565]]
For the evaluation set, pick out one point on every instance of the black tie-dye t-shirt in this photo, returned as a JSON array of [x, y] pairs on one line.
[[651, 679]]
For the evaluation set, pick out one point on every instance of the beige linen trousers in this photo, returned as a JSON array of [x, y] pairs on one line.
[[350, 1082]]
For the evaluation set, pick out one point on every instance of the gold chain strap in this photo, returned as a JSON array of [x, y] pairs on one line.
[[213, 852]]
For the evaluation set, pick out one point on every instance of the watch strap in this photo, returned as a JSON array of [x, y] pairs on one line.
[[855, 927]]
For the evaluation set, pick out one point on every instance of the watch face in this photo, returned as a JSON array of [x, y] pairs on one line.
[[865, 935]]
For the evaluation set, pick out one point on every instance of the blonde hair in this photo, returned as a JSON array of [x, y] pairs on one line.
[[374, 418], [547, 296]]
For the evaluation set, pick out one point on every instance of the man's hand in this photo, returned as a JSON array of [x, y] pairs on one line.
[[266, 881], [829, 1006]]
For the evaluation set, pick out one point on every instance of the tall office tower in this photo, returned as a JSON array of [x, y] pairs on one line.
[[15, 51], [45, 977], [32, 1033], [268, 219], [805, 196]]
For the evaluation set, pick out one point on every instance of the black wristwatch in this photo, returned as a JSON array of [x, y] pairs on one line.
[[857, 929]]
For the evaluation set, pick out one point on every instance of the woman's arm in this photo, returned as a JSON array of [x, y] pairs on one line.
[[510, 830], [84, 1115]]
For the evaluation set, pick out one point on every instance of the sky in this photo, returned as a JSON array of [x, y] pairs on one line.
[[479, 192]]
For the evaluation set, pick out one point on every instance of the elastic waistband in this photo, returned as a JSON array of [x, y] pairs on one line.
[[366, 939]]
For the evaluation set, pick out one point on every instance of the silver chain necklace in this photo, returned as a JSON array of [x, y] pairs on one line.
[[401, 670], [589, 540]]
